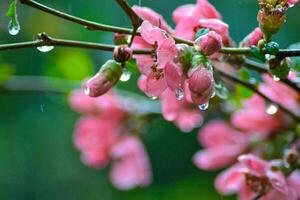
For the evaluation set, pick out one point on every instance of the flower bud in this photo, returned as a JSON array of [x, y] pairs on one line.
[[120, 38], [201, 85], [209, 43], [291, 156], [104, 80], [122, 53], [271, 21]]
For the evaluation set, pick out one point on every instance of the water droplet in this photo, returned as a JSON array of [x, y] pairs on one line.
[[154, 97], [271, 109], [179, 93], [86, 90], [275, 78], [45, 49], [204, 106], [13, 29], [125, 76], [213, 94]]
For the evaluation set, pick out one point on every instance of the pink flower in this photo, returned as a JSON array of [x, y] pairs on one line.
[[294, 182], [253, 38], [292, 2], [94, 137], [254, 176], [187, 18], [201, 83], [209, 43], [253, 117], [153, 17], [131, 167], [185, 115], [222, 145], [218, 26]]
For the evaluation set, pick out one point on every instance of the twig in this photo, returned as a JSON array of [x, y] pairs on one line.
[[45, 40], [254, 89]]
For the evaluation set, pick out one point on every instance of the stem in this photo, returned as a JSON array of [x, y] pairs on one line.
[[88, 24], [254, 89], [132, 102], [45, 40], [263, 68]]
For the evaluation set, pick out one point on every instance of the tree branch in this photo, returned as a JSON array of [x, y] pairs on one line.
[[45, 40], [254, 89]]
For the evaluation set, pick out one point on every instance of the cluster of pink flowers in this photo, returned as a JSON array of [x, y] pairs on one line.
[[225, 143], [182, 78], [103, 136]]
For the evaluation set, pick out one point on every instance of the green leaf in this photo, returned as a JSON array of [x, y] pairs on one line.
[[257, 53], [295, 60], [6, 71], [132, 66], [219, 86], [12, 13], [272, 48], [201, 32], [282, 70], [244, 74]]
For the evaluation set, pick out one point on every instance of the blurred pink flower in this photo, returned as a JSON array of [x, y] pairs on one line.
[[292, 2], [187, 18], [185, 115], [131, 167], [222, 145], [94, 137], [253, 38]]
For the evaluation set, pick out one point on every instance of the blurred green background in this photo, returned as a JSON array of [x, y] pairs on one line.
[[37, 157]]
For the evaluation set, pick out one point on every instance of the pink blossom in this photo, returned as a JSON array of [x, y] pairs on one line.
[[218, 26], [292, 2], [185, 115], [253, 38], [131, 167], [153, 17], [209, 43], [252, 176], [253, 117], [187, 18], [294, 182], [222, 145], [94, 137], [201, 84]]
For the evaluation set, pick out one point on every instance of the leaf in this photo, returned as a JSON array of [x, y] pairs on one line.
[[201, 32], [6, 71], [219, 86], [12, 13], [272, 48], [132, 66], [295, 60]]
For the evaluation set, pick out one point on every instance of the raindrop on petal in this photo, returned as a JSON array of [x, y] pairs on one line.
[[204, 106], [271, 109], [154, 97], [275, 78], [13, 29], [45, 49], [179, 93], [86, 89], [126, 75]]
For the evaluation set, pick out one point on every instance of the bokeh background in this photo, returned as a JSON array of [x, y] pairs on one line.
[[37, 157]]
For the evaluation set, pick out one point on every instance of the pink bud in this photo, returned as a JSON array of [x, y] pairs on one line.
[[201, 85], [105, 79], [122, 53], [209, 43]]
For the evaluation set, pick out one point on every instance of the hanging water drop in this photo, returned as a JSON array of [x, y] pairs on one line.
[[86, 90], [13, 29], [275, 78], [126, 75], [179, 93], [271, 109], [154, 97], [204, 106], [45, 49]]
